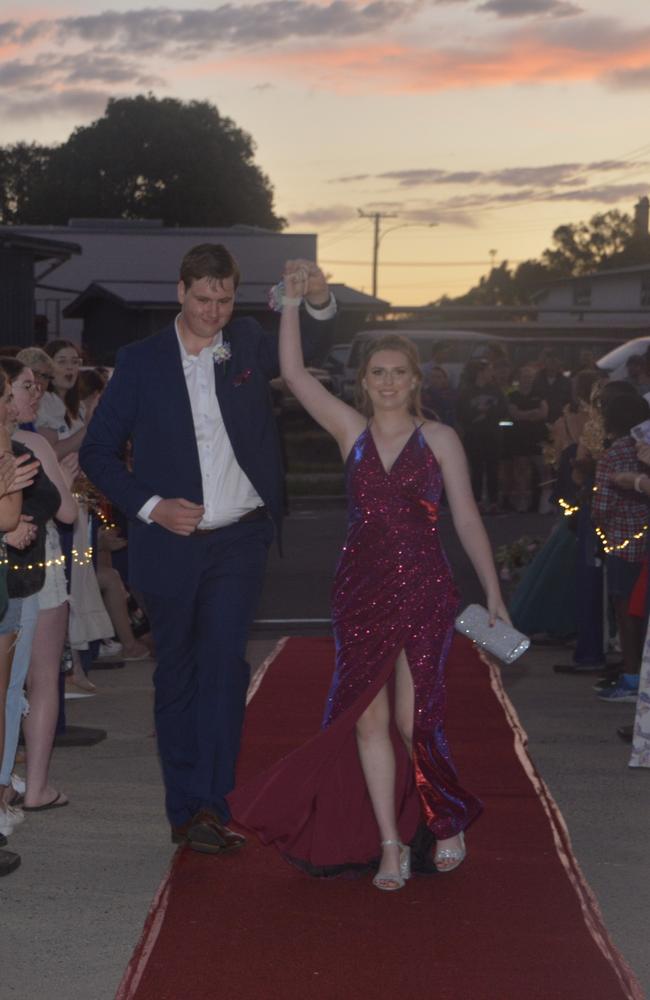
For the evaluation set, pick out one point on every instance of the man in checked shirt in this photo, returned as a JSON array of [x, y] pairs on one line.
[[621, 520]]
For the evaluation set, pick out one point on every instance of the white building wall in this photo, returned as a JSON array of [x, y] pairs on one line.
[[619, 292]]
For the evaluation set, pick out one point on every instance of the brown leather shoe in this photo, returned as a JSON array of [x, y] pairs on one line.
[[227, 839], [206, 833], [179, 833]]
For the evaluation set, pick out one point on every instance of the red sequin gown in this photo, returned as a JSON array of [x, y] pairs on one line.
[[393, 590]]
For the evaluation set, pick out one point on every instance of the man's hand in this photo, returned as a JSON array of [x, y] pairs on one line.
[[178, 515], [316, 290], [26, 470], [23, 534]]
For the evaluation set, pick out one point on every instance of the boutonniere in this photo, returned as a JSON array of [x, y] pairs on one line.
[[242, 377], [221, 354]]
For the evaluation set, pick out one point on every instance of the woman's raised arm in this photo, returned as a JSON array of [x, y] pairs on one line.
[[340, 420]]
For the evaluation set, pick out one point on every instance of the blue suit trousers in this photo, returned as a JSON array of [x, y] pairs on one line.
[[202, 675]]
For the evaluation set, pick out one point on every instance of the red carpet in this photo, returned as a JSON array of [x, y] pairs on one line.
[[515, 922]]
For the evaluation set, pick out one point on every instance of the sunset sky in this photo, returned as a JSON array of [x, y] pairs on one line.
[[496, 119]]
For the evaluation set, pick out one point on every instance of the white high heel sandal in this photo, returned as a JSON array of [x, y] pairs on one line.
[[454, 855], [382, 881]]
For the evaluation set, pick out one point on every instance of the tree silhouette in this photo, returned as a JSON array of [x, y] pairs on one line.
[[609, 240], [144, 158]]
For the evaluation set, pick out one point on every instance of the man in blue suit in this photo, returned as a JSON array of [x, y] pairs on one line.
[[203, 492]]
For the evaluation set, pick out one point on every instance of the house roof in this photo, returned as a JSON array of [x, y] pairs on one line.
[[115, 250], [593, 275], [162, 295], [40, 247]]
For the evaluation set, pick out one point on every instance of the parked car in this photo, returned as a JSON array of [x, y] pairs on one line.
[[615, 361]]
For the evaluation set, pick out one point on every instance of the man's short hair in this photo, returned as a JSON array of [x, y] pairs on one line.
[[209, 260]]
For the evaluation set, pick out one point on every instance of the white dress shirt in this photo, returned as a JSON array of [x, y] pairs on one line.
[[227, 491]]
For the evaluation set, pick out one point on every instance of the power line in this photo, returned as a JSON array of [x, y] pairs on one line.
[[344, 234], [418, 263]]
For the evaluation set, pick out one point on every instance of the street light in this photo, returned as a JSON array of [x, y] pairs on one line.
[[378, 237]]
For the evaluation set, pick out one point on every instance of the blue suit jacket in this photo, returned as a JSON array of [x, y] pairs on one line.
[[147, 402]]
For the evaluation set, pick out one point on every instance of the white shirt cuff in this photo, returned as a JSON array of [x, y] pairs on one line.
[[145, 511], [325, 312]]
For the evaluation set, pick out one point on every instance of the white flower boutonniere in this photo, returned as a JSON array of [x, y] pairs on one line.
[[221, 353]]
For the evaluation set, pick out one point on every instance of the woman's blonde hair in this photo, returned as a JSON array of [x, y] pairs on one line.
[[36, 357], [390, 342]]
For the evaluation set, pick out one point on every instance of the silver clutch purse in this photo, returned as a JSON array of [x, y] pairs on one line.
[[502, 640]]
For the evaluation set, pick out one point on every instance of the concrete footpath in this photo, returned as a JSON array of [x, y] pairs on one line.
[[73, 912]]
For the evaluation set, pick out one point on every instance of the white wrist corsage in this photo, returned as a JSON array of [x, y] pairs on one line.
[[278, 298]]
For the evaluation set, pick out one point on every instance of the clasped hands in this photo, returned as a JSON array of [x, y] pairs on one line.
[[23, 534], [304, 279]]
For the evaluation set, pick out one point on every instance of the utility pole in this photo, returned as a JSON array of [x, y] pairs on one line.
[[376, 217]]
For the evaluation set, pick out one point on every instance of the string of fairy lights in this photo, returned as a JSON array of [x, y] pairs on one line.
[[79, 558], [568, 509]]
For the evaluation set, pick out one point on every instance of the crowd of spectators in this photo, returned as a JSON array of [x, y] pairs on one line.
[[63, 605], [559, 442], [589, 583], [504, 417]]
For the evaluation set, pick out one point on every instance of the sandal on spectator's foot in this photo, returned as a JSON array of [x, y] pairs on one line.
[[80, 682], [448, 858], [390, 881], [56, 803]]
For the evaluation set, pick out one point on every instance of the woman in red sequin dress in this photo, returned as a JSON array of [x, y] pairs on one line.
[[380, 766]]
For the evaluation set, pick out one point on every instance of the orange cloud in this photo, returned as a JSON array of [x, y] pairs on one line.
[[395, 69]]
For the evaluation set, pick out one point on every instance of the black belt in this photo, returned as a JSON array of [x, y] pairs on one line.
[[257, 514]]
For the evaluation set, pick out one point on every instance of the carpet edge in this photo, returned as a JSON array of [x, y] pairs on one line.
[[260, 673], [589, 906], [148, 937]]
